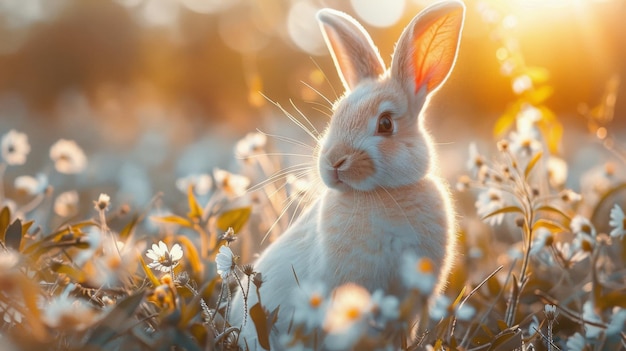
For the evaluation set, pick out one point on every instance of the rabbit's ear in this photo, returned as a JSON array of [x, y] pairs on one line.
[[352, 49], [427, 48]]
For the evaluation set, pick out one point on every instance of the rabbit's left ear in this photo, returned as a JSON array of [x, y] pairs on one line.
[[355, 55], [426, 51]]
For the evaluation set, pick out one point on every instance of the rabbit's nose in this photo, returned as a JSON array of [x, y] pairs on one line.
[[339, 162]]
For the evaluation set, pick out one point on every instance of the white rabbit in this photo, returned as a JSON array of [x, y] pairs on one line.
[[382, 198]]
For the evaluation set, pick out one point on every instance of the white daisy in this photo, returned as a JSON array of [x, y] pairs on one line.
[[476, 160], [31, 185], [310, 302], [542, 237], [418, 273], [232, 184], [589, 314], [387, 306], [70, 313], [557, 171], [224, 261], [66, 203], [202, 183], [346, 318], [489, 201], [103, 202], [164, 259], [68, 157], [576, 342], [15, 147], [581, 225], [525, 140], [617, 222], [251, 144]]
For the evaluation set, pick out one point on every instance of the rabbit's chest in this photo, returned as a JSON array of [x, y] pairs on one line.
[[371, 257]]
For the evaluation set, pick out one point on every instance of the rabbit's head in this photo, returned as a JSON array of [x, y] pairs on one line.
[[375, 138]]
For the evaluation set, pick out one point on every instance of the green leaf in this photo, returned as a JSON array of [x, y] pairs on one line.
[[195, 211], [508, 209], [260, 323], [504, 123], [129, 228], [116, 321], [552, 226], [192, 255], [537, 74], [510, 339], [236, 219], [173, 219], [548, 208], [539, 95], [13, 235], [153, 279], [532, 164], [5, 220]]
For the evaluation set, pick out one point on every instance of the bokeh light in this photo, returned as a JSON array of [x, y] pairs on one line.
[[379, 13]]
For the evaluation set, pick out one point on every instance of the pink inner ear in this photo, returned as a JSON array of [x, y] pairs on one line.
[[435, 46]]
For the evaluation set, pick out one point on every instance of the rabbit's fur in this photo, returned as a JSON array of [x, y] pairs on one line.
[[382, 198]]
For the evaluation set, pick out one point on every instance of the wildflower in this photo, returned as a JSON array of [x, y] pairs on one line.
[[542, 238], [225, 261], [617, 222], [229, 235], [103, 202], [387, 306], [521, 84], [201, 183], [465, 312], [581, 224], [164, 259], [15, 147], [570, 253], [298, 185], [533, 327], [476, 160], [585, 233], [310, 301], [550, 311], [617, 321], [463, 184], [524, 141], [31, 185], [503, 145], [347, 316], [590, 315], [489, 201], [250, 145], [68, 157], [557, 171], [569, 195], [576, 342], [232, 184], [418, 273], [440, 308], [66, 204], [69, 313]]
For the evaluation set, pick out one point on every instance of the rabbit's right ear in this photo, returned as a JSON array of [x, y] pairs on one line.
[[426, 51], [352, 49]]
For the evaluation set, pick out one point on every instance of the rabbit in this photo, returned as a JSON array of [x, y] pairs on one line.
[[382, 197]]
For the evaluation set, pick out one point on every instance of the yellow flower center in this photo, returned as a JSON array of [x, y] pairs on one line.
[[353, 313], [316, 300], [425, 265]]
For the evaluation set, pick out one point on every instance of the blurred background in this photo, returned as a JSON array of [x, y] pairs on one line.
[[154, 90]]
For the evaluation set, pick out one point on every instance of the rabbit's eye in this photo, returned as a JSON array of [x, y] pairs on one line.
[[385, 124]]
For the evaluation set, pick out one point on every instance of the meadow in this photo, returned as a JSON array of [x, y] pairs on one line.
[[143, 249]]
